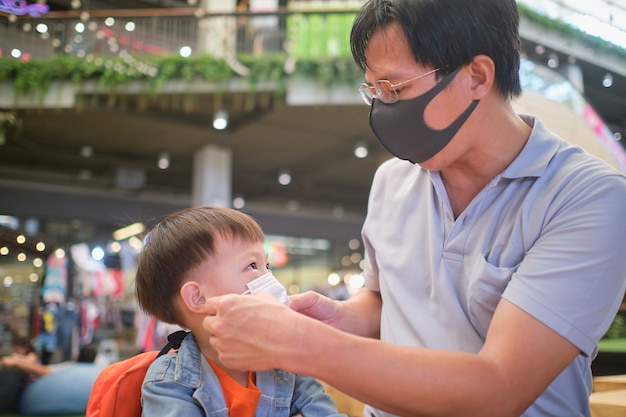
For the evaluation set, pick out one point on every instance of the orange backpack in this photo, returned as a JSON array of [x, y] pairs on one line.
[[117, 390]]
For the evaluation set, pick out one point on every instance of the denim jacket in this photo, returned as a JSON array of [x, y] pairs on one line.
[[183, 384]]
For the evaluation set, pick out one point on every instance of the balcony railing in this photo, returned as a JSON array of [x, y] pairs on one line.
[[186, 31], [119, 46]]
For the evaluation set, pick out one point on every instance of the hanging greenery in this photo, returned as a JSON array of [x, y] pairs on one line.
[[6, 120], [618, 328], [36, 75], [570, 32]]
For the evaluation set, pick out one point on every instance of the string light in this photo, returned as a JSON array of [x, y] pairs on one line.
[[220, 121], [239, 203], [164, 160], [553, 61], [86, 151], [284, 177], [360, 150], [185, 51]]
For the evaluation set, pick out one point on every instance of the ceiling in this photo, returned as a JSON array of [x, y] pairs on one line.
[[41, 160], [314, 143]]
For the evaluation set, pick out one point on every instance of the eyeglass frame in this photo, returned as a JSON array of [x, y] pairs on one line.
[[366, 93]]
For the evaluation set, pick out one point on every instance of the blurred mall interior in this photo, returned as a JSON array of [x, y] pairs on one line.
[[86, 169]]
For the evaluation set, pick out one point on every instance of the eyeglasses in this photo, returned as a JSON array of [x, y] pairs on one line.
[[384, 91]]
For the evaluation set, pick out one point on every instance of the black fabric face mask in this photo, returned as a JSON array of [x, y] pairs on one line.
[[402, 130]]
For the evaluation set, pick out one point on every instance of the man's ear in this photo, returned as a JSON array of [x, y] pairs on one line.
[[483, 72], [191, 294]]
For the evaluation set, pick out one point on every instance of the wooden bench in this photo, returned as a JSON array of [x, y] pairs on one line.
[[607, 400], [608, 403], [609, 383]]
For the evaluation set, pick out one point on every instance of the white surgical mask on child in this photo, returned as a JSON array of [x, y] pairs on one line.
[[268, 283]]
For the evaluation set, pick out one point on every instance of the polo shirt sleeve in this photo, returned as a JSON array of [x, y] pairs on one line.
[[573, 277]]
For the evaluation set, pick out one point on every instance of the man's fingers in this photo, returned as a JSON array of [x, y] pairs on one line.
[[209, 323], [303, 301], [210, 306], [213, 305]]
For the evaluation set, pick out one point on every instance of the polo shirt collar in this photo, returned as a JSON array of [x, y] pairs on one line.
[[534, 158]]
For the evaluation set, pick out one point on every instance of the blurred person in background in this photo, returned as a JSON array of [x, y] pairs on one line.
[[14, 378]]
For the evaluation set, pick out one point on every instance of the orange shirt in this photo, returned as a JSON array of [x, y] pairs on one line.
[[241, 401]]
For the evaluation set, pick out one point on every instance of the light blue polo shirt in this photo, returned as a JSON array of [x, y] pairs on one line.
[[547, 234]]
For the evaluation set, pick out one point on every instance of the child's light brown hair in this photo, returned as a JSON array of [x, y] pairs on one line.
[[177, 244]]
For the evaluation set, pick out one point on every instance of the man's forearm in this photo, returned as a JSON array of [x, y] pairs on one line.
[[29, 366], [516, 364], [399, 379], [361, 314]]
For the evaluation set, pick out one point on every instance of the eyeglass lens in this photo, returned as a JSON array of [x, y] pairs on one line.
[[385, 92], [382, 91]]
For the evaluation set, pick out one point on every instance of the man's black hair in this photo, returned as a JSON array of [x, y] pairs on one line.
[[448, 34]]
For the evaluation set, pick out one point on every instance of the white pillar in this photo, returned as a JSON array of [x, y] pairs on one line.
[[575, 76], [212, 177], [216, 35]]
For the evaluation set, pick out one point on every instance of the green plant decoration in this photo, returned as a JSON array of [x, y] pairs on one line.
[[36, 75], [6, 119], [617, 329], [570, 32]]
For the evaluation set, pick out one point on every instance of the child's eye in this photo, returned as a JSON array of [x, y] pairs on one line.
[[252, 266]]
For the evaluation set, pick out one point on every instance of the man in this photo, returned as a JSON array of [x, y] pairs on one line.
[[493, 249]]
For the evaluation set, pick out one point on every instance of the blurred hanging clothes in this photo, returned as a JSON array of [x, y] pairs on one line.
[[46, 341], [67, 330], [151, 333], [145, 325], [89, 320]]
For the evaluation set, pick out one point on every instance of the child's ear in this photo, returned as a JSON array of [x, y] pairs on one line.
[[191, 293]]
